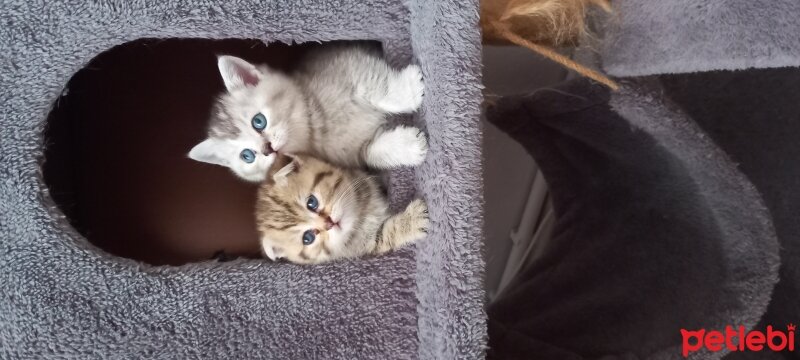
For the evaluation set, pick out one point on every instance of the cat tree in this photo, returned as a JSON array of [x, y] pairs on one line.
[[62, 297], [675, 197]]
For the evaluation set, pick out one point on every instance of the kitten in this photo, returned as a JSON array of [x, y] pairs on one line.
[[333, 107], [310, 212]]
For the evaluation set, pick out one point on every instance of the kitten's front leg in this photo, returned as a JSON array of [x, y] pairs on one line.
[[403, 92], [403, 228], [401, 146]]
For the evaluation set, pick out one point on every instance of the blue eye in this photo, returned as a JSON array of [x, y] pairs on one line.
[[259, 122], [312, 203], [248, 155], [308, 237]]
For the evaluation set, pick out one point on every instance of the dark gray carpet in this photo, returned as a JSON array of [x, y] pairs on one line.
[[657, 230], [61, 297], [648, 37], [754, 116]]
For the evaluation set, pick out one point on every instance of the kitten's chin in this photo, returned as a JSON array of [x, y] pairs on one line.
[[336, 236], [343, 230]]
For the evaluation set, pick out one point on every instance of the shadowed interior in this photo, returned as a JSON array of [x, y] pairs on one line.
[[117, 140]]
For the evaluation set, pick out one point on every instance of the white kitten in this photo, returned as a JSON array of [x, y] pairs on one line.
[[333, 107]]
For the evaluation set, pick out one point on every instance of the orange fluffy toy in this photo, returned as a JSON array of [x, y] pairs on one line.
[[541, 25]]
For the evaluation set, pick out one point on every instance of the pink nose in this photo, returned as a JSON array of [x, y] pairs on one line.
[[329, 224], [268, 148]]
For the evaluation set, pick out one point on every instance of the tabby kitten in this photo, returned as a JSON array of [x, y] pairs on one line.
[[310, 212], [333, 107]]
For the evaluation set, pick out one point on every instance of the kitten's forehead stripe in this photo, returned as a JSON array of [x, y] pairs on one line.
[[283, 204], [337, 184], [280, 227], [284, 217], [319, 178]]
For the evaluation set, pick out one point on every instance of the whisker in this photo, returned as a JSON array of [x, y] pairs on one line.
[[352, 187], [347, 196]]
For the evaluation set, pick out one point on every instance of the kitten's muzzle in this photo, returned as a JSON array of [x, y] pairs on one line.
[[267, 149], [329, 224]]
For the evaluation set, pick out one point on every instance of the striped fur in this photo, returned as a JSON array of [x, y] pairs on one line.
[[352, 199]]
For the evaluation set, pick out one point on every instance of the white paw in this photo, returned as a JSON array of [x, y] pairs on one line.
[[413, 145], [401, 146], [404, 93], [416, 214], [412, 75]]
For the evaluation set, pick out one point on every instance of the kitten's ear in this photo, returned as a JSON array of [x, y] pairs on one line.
[[280, 176], [210, 151], [237, 73], [298, 162]]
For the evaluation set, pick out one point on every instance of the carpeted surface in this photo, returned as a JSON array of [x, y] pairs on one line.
[[754, 116], [750, 112], [61, 297], [678, 36], [657, 230]]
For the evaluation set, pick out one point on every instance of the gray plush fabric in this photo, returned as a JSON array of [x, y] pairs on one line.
[[753, 115], [648, 37], [60, 297], [657, 230], [452, 321]]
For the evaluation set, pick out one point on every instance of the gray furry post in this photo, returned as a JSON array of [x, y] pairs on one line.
[[61, 297]]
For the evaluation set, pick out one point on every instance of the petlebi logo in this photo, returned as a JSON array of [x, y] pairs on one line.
[[737, 339]]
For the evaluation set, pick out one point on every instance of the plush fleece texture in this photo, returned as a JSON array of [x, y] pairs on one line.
[[753, 115], [657, 230], [750, 112], [659, 226], [678, 36], [61, 297]]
